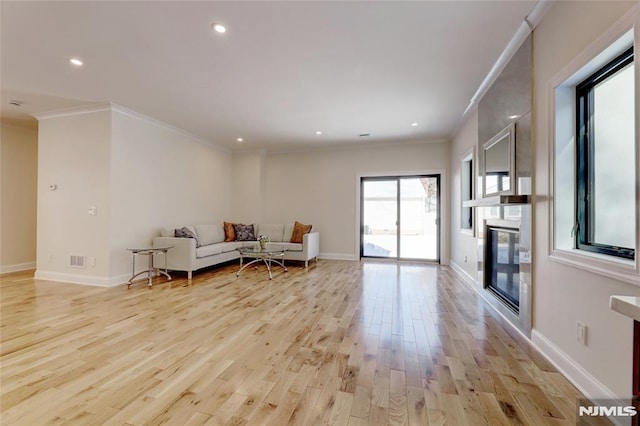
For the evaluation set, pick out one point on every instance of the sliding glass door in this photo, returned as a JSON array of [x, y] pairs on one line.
[[400, 217]]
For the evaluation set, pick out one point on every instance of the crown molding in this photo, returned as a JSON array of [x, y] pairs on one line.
[[530, 22], [139, 116], [67, 112], [113, 107]]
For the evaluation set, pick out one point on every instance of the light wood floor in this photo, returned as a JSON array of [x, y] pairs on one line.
[[345, 343]]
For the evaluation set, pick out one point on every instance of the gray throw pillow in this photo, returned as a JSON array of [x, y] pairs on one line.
[[184, 232], [244, 232]]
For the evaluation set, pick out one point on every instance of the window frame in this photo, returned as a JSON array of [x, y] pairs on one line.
[[560, 156], [468, 160], [584, 108]]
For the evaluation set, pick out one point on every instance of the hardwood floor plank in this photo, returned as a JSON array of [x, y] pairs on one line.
[[361, 402], [345, 343]]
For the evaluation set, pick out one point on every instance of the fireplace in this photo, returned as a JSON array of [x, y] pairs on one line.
[[504, 262], [502, 267]]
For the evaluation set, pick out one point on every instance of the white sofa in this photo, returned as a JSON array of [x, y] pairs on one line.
[[184, 256]]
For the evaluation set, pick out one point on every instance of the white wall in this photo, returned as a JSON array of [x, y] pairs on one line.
[[74, 154], [140, 175], [18, 197], [462, 242], [161, 177], [563, 294], [248, 196], [319, 187]]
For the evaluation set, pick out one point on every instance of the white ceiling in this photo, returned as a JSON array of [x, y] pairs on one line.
[[281, 72]]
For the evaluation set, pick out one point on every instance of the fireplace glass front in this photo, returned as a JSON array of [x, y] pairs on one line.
[[503, 264]]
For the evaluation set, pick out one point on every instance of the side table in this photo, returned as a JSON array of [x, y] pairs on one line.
[[149, 251]]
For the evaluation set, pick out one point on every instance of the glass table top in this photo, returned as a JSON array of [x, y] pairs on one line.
[[256, 250]]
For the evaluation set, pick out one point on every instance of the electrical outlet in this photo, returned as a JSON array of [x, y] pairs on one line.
[[465, 259], [581, 333]]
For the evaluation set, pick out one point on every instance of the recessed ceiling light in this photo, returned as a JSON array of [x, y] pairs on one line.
[[414, 124], [240, 140], [219, 28], [75, 61], [513, 117], [318, 132]]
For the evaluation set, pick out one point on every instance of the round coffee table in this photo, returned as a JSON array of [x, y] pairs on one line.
[[266, 255]]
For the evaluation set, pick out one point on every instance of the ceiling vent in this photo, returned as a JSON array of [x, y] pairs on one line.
[[15, 102], [365, 135]]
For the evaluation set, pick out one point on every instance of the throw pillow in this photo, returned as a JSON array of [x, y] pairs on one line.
[[229, 232], [185, 232], [244, 232], [299, 229]]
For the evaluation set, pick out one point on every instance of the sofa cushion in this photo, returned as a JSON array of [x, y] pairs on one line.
[[230, 246], [285, 246], [185, 232], [273, 232], [229, 232], [288, 232], [299, 229], [169, 231], [209, 234], [208, 250], [244, 232]]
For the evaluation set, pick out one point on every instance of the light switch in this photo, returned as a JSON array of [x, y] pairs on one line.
[[93, 211]]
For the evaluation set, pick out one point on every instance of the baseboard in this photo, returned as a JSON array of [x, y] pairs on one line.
[[585, 382], [571, 370], [337, 256], [5, 269], [90, 280], [581, 378], [472, 283], [462, 273]]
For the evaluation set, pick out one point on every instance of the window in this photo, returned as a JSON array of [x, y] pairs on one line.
[[466, 178], [605, 160], [594, 157]]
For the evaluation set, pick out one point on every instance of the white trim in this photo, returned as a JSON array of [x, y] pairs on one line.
[[471, 152], [483, 295], [109, 106], [578, 376], [463, 274], [17, 267], [603, 48], [598, 264], [90, 280], [66, 112], [337, 256], [581, 378], [139, 116], [529, 23]]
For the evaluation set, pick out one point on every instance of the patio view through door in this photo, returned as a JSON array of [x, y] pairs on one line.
[[400, 217]]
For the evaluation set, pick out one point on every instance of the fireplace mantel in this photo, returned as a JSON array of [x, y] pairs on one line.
[[498, 200]]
